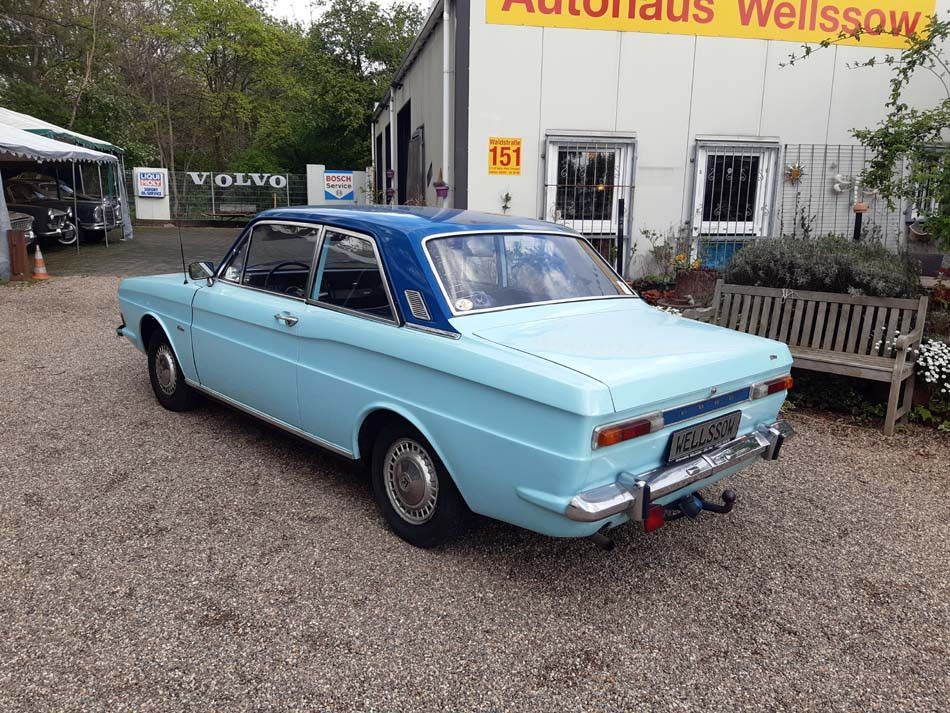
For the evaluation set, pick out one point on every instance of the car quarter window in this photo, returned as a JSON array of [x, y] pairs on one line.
[[276, 257], [349, 276]]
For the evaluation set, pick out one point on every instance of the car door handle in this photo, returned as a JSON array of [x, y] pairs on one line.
[[287, 318]]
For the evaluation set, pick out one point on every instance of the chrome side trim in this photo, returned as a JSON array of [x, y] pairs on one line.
[[433, 330], [633, 493], [269, 419]]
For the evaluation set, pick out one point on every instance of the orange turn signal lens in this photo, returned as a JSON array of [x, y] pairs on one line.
[[773, 386], [619, 432], [782, 384]]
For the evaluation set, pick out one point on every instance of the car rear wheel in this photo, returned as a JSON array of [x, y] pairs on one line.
[[413, 489], [164, 372]]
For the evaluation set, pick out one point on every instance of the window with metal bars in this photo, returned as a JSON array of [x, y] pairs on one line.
[[735, 186], [585, 180]]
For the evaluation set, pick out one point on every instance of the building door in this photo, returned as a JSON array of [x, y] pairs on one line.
[[403, 133], [589, 187]]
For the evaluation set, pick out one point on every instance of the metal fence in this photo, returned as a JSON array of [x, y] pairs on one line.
[[229, 197], [818, 194], [815, 189]]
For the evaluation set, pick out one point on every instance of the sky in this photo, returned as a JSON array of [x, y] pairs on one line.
[[304, 12], [301, 11]]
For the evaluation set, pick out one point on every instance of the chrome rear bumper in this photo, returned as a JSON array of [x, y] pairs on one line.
[[634, 493]]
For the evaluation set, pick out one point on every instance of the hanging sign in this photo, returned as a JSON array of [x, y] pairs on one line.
[[886, 23], [504, 156], [226, 180], [150, 184], [338, 185]]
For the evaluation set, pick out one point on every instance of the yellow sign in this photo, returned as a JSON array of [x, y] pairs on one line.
[[886, 22], [504, 156]]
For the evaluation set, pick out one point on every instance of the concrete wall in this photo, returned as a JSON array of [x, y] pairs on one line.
[[423, 85], [667, 89]]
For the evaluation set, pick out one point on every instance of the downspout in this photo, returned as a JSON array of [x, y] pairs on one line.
[[446, 123], [371, 198], [392, 147]]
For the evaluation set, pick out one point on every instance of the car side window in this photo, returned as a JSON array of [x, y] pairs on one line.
[[234, 268], [349, 276], [276, 258]]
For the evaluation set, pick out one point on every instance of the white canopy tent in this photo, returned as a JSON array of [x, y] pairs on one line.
[[52, 131], [19, 145]]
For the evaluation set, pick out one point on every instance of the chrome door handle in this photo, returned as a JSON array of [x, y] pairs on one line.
[[286, 318]]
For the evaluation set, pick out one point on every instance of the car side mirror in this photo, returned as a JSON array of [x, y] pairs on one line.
[[201, 271]]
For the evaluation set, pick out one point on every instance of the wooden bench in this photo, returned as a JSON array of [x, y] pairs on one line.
[[234, 210], [843, 334]]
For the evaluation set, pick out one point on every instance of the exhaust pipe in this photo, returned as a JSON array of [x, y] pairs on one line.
[[602, 541]]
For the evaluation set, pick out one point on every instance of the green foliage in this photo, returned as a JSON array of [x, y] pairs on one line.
[[826, 392], [909, 157], [206, 84], [936, 413], [828, 264]]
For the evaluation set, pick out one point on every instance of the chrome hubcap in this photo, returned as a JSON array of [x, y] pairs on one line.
[[165, 369], [412, 484]]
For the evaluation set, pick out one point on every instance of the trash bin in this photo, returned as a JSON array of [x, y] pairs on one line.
[[19, 258]]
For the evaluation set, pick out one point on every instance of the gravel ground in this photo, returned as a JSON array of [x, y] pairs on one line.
[[154, 561]]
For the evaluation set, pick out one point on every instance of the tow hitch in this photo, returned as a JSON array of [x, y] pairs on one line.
[[692, 505]]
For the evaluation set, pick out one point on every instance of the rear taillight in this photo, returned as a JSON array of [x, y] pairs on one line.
[[614, 433], [767, 388], [654, 519]]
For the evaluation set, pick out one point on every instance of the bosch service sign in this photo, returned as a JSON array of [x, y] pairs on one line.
[[150, 184], [338, 186]]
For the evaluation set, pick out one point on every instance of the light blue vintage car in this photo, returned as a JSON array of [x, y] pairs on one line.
[[474, 362]]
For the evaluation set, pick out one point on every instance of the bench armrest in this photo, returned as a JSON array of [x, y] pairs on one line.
[[908, 341]]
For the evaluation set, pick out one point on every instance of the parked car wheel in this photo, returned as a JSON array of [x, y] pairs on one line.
[[413, 489], [164, 372], [69, 235]]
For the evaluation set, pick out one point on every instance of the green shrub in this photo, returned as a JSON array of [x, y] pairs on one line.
[[827, 264]]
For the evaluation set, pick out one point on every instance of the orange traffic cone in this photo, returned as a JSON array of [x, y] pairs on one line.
[[39, 266]]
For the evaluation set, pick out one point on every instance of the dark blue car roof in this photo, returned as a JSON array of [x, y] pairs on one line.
[[412, 222], [399, 232]]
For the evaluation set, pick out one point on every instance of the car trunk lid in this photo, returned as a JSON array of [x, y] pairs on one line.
[[646, 357]]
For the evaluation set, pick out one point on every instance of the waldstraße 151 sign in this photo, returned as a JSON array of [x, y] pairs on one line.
[[885, 21]]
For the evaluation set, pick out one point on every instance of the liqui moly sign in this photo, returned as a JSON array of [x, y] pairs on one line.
[[226, 180]]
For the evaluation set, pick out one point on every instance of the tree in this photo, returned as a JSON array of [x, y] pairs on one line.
[[910, 158], [205, 84]]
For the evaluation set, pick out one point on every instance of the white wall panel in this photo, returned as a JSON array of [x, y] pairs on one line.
[[504, 100]]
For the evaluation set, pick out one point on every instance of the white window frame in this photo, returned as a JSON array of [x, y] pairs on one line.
[[624, 148], [768, 152]]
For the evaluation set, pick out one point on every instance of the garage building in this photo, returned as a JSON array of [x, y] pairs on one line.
[[647, 118]]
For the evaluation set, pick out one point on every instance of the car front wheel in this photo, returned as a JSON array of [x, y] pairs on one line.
[[413, 489], [164, 372]]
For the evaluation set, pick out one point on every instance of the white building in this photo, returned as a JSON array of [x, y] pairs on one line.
[[672, 116]]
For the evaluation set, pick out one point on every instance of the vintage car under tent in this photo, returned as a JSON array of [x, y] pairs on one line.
[[115, 176], [19, 145]]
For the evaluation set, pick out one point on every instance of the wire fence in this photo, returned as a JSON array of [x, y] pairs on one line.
[[817, 186], [229, 197]]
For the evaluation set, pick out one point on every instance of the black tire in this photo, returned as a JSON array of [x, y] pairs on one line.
[[421, 517], [164, 372]]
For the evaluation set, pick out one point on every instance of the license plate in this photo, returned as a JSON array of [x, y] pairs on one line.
[[688, 442]]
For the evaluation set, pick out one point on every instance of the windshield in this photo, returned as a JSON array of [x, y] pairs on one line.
[[488, 271]]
